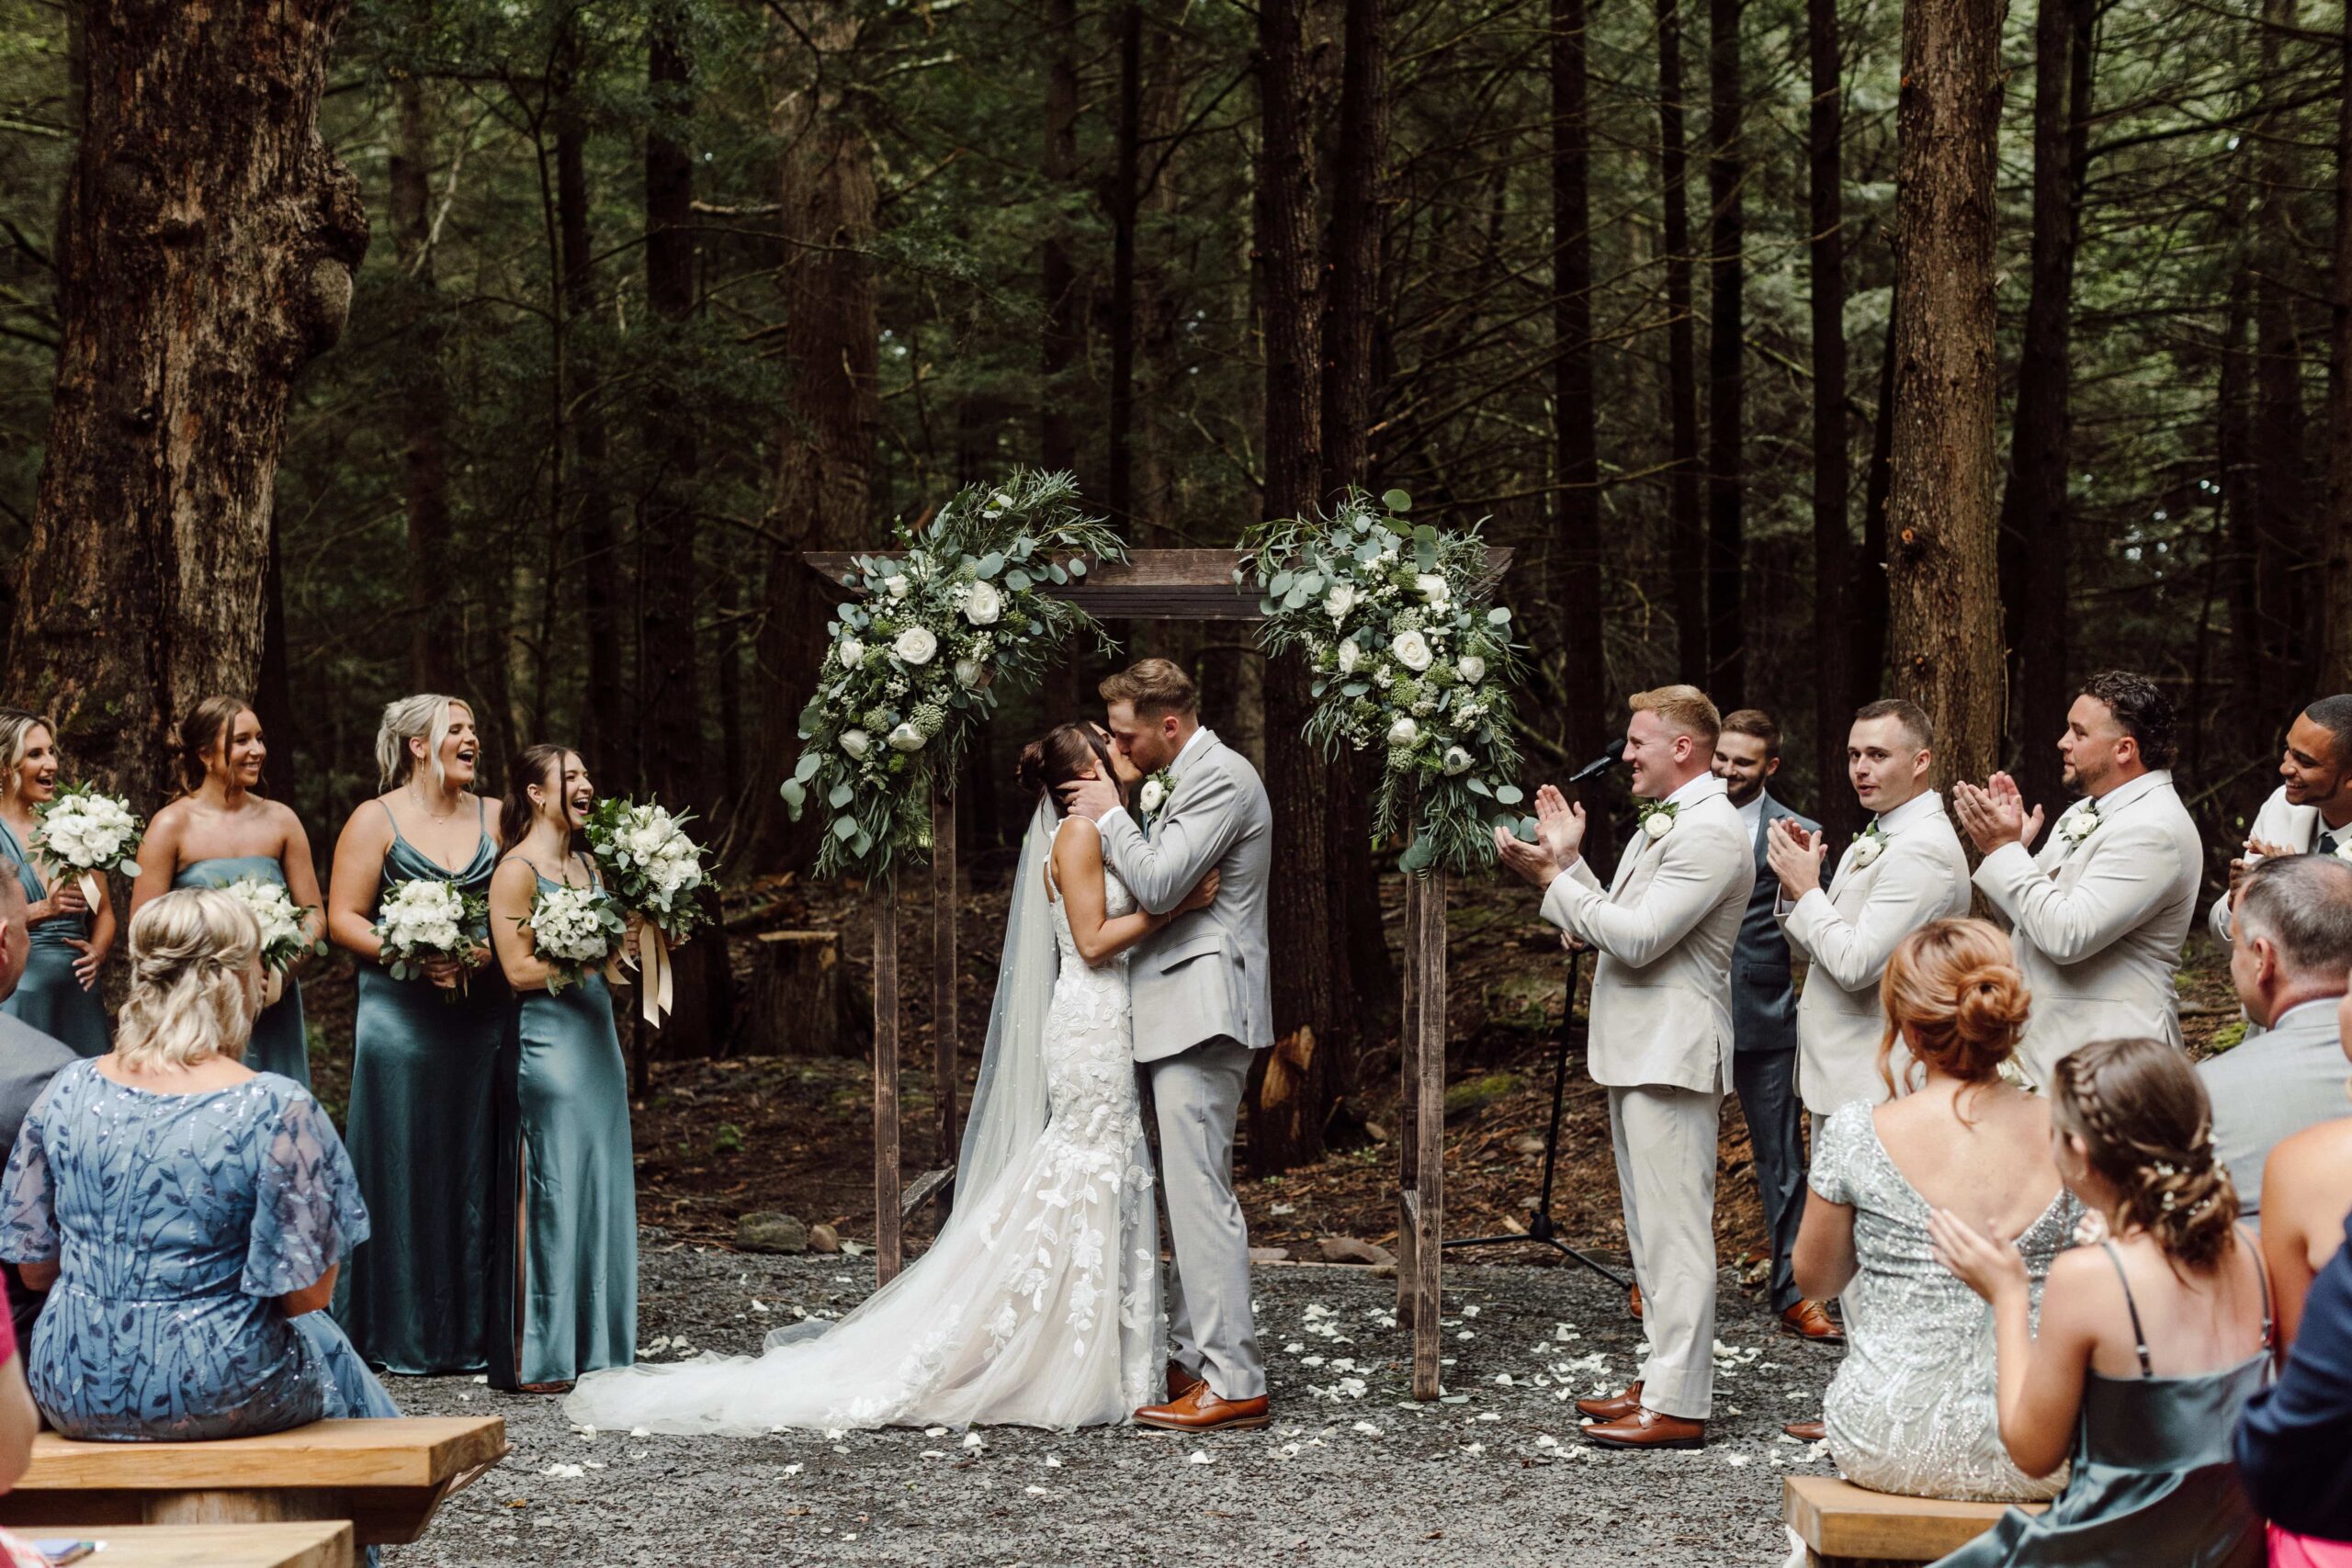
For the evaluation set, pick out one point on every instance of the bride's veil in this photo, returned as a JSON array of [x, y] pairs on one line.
[[1009, 1099]]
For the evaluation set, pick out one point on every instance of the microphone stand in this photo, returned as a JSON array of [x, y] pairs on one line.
[[1540, 1227]]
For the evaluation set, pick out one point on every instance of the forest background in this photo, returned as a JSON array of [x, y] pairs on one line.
[[530, 374]]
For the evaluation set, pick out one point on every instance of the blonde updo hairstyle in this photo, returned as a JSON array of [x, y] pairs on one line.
[[1953, 993], [192, 997], [2147, 1128], [422, 718], [16, 728]]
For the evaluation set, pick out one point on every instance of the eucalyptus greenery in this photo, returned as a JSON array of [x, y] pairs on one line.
[[916, 661], [1410, 654]]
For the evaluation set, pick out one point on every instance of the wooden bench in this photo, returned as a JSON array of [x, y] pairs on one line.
[[386, 1477], [321, 1544], [1840, 1523]]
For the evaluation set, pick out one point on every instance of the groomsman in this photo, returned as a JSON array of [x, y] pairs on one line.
[[1660, 1039], [2311, 811], [2099, 915], [1764, 1016], [1904, 870]]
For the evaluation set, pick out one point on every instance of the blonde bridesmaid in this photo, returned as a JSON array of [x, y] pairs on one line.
[[59, 993]]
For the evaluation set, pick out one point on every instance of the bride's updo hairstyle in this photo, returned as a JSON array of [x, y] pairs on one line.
[[193, 956], [2146, 1127], [1952, 992], [1063, 753]]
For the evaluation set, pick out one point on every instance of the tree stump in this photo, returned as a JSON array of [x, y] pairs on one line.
[[802, 1003]]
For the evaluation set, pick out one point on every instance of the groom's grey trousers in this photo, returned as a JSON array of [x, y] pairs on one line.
[[1197, 1096]]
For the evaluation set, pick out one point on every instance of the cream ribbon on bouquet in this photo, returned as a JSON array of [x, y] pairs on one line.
[[655, 872]]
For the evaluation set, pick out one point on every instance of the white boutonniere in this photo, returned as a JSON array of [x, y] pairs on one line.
[[1658, 817], [1869, 845], [1155, 793], [2343, 847], [2078, 825]]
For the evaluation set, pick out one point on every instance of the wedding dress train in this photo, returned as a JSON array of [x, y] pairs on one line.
[[1039, 1304]]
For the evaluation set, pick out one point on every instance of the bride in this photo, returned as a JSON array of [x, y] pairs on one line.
[[1039, 1302]]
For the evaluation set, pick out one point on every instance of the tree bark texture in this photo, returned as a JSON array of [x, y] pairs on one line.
[[205, 256], [1576, 511], [1058, 444], [2035, 513], [1727, 354], [1686, 525], [424, 397], [2287, 632], [1944, 611], [1832, 551], [2336, 542]]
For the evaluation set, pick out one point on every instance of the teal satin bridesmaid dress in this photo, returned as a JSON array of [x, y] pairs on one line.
[[49, 997], [280, 1043], [422, 1128], [565, 1297]]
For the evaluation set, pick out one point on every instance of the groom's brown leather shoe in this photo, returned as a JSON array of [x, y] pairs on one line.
[[1614, 1407], [1182, 1381], [1807, 1431], [1633, 1301], [1809, 1320], [1647, 1428], [1203, 1410]]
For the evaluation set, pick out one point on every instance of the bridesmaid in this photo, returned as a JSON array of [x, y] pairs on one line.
[[421, 1126], [58, 994], [220, 830], [564, 1293]]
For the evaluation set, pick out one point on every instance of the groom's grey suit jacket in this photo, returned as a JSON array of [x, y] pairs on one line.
[[1206, 974]]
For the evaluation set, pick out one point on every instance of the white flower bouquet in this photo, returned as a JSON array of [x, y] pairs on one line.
[[429, 918], [916, 656], [653, 870], [575, 931], [284, 935], [1411, 659], [86, 832]]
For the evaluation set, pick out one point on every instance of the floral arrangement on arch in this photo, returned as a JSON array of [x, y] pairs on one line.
[[1411, 655], [915, 662]]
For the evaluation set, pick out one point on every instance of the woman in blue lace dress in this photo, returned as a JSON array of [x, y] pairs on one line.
[[191, 1213]]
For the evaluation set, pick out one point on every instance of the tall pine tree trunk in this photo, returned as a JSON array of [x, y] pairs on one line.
[[1575, 509], [1944, 611], [205, 256], [423, 396], [2288, 633], [1726, 354], [2035, 516], [2336, 542], [1833, 552], [1685, 522], [1058, 444]]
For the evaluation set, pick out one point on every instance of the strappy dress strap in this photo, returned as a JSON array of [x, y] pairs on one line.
[[2138, 1335], [2262, 1279], [395, 821]]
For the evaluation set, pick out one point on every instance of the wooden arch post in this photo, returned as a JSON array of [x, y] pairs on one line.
[[1170, 585]]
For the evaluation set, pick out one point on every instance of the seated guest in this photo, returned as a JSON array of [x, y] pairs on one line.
[[2311, 811], [28, 1059], [2150, 1343], [192, 1213], [2292, 952], [18, 1424], [2295, 1436], [1911, 1409]]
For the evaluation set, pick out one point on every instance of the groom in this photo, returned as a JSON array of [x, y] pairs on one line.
[[1200, 1007]]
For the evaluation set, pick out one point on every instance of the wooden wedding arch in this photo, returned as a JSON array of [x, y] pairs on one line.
[[1167, 585]]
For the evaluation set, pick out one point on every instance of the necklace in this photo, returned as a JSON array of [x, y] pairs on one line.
[[431, 815]]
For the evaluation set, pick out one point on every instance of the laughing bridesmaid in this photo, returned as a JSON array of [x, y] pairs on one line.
[[221, 830], [422, 1126], [59, 993]]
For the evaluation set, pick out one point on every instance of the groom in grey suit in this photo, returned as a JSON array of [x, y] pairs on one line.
[[1201, 1006]]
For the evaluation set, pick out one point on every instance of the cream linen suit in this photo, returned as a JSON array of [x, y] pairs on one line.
[[1920, 874], [2098, 926], [2290, 827], [1661, 1043]]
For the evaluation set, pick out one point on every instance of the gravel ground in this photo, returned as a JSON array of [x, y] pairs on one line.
[[1352, 1472]]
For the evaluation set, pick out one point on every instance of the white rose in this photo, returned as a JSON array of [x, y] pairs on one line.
[[1153, 794], [1349, 657], [1432, 587], [1471, 668], [1412, 651], [906, 737], [1657, 824], [850, 653], [1457, 761], [1339, 602], [900, 586], [1404, 732], [857, 742], [1866, 849], [970, 672], [983, 604], [915, 645]]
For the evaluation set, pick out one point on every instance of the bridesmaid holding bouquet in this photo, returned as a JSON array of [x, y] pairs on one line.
[[421, 1128], [70, 938], [221, 831], [564, 1295]]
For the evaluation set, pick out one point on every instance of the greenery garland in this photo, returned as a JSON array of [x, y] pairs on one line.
[[915, 662], [1409, 654]]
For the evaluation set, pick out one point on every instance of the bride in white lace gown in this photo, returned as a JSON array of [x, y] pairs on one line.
[[1039, 1302]]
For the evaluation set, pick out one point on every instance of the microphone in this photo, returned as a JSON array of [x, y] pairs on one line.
[[1597, 767]]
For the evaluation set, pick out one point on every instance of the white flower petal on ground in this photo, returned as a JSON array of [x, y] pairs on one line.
[[1198, 1456], [972, 1440], [1367, 1428]]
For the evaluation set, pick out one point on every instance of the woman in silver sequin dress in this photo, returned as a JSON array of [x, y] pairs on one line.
[[1911, 1410]]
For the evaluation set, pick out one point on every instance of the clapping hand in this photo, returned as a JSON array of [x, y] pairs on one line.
[[2256, 850], [1559, 838], [1984, 1261], [1996, 815], [1795, 856]]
